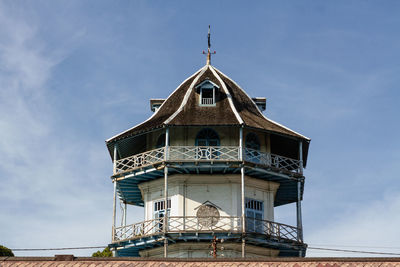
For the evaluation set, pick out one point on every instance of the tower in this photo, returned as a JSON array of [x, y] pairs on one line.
[[209, 169]]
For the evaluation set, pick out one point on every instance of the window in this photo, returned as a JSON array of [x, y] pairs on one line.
[[207, 96], [254, 215], [159, 205], [159, 213], [207, 90], [252, 151], [161, 141], [206, 139]]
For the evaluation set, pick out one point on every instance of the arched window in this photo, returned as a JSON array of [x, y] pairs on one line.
[[252, 148], [206, 140], [207, 137]]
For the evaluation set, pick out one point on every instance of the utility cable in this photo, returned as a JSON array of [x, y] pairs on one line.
[[37, 249], [355, 251], [315, 248]]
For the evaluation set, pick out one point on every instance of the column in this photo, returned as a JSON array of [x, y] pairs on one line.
[[165, 224], [114, 209], [298, 203], [243, 216]]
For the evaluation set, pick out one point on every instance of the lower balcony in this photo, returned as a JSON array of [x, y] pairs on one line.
[[201, 154], [229, 225]]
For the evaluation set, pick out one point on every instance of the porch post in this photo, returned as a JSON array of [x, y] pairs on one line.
[[298, 203], [125, 210], [114, 209], [165, 224], [115, 159], [242, 192]]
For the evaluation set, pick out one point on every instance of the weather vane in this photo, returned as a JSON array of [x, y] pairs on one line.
[[209, 53]]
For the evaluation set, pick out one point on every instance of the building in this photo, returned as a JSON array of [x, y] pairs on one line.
[[209, 168], [71, 261]]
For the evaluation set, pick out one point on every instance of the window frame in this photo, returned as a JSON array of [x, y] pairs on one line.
[[207, 85], [254, 210]]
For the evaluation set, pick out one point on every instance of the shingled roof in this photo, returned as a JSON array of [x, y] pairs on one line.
[[233, 107]]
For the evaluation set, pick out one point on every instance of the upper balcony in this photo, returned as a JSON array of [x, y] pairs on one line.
[[208, 154]]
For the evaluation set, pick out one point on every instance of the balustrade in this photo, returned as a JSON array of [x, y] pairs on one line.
[[193, 224], [207, 153]]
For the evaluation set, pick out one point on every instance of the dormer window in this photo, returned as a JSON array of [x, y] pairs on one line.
[[207, 90]]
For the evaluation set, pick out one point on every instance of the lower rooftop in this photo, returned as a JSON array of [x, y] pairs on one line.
[[71, 261]]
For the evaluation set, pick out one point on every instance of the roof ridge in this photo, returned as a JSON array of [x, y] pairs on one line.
[[187, 94], [155, 113], [229, 97], [258, 110]]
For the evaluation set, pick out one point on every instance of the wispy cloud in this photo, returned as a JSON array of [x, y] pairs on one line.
[[45, 178], [359, 229]]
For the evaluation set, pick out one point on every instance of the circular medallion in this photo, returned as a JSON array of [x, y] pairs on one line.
[[207, 215]]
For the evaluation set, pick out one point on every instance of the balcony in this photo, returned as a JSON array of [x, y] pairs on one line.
[[211, 225], [207, 154]]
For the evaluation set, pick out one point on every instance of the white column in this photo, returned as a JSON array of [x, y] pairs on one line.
[[166, 193], [301, 157], [125, 213], [298, 203], [114, 208], [166, 152], [115, 159], [243, 215], [241, 143]]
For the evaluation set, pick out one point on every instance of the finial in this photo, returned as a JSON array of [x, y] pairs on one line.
[[208, 50]]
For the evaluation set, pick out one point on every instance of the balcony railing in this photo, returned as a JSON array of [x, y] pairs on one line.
[[193, 224], [207, 101], [206, 154]]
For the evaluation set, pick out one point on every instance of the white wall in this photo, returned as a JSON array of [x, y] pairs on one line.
[[188, 192]]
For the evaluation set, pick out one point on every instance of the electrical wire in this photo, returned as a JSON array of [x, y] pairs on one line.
[[315, 248], [40, 249], [355, 251]]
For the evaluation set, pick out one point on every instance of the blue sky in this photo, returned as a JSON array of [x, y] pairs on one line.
[[74, 73]]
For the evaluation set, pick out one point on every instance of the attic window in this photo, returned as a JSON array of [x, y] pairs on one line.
[[207, 90]]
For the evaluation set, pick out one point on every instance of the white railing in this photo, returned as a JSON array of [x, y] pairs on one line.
[[272, 160], [140, 160], [193, 224], [207, 153], [207, 101], [137, 230], [203, 153]]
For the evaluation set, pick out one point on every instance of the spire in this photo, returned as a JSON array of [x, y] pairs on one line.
[[209, 53]]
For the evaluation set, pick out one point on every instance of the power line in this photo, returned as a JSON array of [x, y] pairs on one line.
[[40, 249], [353, 246], [315, 248], [356, 251]]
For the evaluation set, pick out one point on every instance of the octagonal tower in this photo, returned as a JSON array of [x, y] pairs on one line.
[[208, 167]]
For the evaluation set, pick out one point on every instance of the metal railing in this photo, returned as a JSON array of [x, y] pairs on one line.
[[207, 101], [207, 153], [193, 224]]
